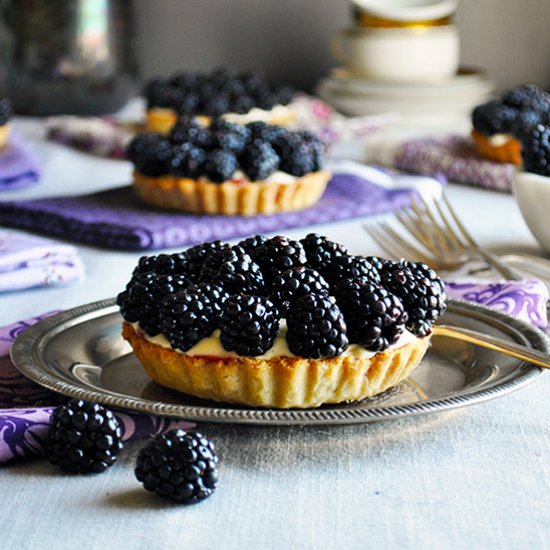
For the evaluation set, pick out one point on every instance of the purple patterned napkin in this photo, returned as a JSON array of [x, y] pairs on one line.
[[26, 407], [27, 261], [116, 219], [18, 166], [454, 157]]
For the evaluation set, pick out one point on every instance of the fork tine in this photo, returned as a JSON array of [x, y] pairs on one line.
[[458, 223], [383, 241]]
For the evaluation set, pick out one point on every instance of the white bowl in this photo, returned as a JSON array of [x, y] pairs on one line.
[[408, 10], [532, 192]]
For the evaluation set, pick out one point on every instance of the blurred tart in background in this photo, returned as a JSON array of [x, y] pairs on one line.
[[5, 116]]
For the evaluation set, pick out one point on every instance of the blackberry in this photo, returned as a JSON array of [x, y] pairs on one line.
[[236, 272], [243, 104], [249, 325], [375, 317], [346, 268], [251, 243], [229, 136], [83, 437], [220, 165], [535, 150], [377, 262], [189, 104], [5, 111], [189, 130], [494, 118], [259, 160], [188, 316], [163, 264], [158, 92], [527, 120], [141, 300], [316, 327], [197, 255], [188, 161], [150, 153], [321, 253], [294, 283], [277, 255], [217, 105], [421, 291], [179, 465], [261, 132], [283, 94], [528, 96], [317, 147], [297, 157]]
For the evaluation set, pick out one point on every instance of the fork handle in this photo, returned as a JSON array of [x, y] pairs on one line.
[[530, 355], [499, 265]]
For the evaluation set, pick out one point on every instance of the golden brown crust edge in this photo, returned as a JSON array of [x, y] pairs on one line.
[[4, 134], [509, 152], [280, 382], [230, 198]]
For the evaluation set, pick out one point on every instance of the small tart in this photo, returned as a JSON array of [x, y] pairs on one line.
[[279, 382], [243, 198], [4, 134], [162, 120], [509, 151]]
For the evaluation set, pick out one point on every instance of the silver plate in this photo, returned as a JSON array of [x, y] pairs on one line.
[[81, 353]]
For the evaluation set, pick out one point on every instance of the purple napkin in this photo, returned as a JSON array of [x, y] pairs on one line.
[[116, 219], [18, 166], [28, 261], [26, 407], [454, 157]]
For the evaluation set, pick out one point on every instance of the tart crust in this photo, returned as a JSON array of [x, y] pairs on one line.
[[280, 382], [508, 152], [229, 197], [160, 119], [4, 134]]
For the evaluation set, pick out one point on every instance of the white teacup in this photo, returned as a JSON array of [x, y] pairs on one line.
[[402, 54]]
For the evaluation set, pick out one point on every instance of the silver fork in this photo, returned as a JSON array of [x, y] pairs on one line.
[[439, 238]]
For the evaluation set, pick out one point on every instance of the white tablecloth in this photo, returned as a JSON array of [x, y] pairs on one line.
[[478, 477]]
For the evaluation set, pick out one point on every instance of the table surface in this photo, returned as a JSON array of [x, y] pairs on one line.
[[475, 477]]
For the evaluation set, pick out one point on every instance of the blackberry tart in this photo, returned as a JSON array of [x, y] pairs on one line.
[[280, 334], [228, 168], [5, 116], [237, 97], [498, 126]]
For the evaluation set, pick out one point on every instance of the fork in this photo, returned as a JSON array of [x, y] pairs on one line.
[[444, 241]]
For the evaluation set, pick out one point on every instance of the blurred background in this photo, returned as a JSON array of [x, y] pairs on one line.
[[289, 39]]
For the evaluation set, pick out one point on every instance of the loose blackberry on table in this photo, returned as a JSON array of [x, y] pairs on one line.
[[83, 437], [179, 465]]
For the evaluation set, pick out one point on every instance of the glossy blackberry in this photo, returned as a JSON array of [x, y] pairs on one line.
[[277, 255], [188, 161], [197, 255], [179, 465], [150, 153], [375, 317], [316, 327], [188, 316], [494, 118], [5, 111], [189, 130], [535, 150], [421, 291], [220, 165], [321, 252], [83, 437], [163, 264], [377, 262], [346, 268], [229, 136], [140, 302], [259, 160], [297, 157], [251, 243], [294, 283], [236, 272], [249, 325]]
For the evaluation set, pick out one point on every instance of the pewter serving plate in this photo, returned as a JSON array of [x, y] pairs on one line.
[[81, 353]]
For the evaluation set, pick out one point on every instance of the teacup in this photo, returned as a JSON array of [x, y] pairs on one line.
[[401, 54]]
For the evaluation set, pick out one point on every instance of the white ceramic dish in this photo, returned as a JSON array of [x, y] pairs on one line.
[[399, 54], [408, 10], [532, 192]]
